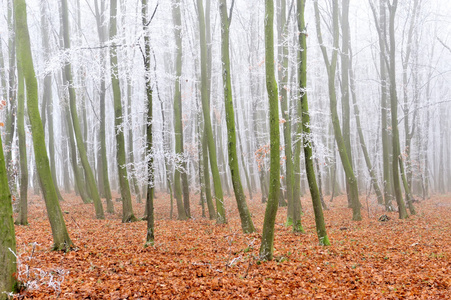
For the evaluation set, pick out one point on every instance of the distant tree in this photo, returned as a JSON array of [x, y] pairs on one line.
[[61, 239], [104, 182], [331, 67], [178, 127], [219, 197], [267, 245], [90, 180]]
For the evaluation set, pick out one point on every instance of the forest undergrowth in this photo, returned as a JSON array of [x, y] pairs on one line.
[[197, 259]]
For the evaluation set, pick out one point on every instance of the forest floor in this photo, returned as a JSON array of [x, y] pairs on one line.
[[197, 259]]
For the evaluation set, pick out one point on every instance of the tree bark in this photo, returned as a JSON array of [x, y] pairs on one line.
[[219, 198], [331, 69], [61, 239], [90, 180], [246, 221], [267, 244], [127, 208], [308, 153]]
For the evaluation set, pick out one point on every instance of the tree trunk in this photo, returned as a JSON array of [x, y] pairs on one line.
[[90, 180], [8, 280], [48, 98], [220, 211], [178, 129], [150, 237], [267, 244], [308, 153], [127, 208], [394, 114], [331, 69], [246, 221], [102, 33], [61, 239]]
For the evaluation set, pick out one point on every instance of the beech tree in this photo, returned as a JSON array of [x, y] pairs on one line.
[[61, 239], [267, 248], [331, 66], [246, 222], [127, 208], [308, 153], [8, 280]]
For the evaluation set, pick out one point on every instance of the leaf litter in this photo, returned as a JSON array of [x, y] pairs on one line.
[[197, 259]]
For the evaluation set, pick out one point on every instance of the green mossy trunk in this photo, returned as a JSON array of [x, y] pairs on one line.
[[61, 239], [8, 265], [89, 175], [22, 218], [246, 221], [219, 198], [341, 145], [308, 153], [127, 208], [267, 245], [178, 128]]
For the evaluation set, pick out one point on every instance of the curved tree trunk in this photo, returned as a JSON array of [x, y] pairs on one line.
[[61, 239], [331, 69], [246, 221]]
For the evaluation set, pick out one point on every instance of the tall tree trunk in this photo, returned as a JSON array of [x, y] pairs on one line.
[[127, 208], [47, 96], [385, 106], [61, 239], [103, 161], [308, 153], [246, 221], [90, 180], [283, 92], [178, 127], [8, 265], [394, 114], [150, 237], [267, 244], [219, 198], [345, 107], [331, 69]]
